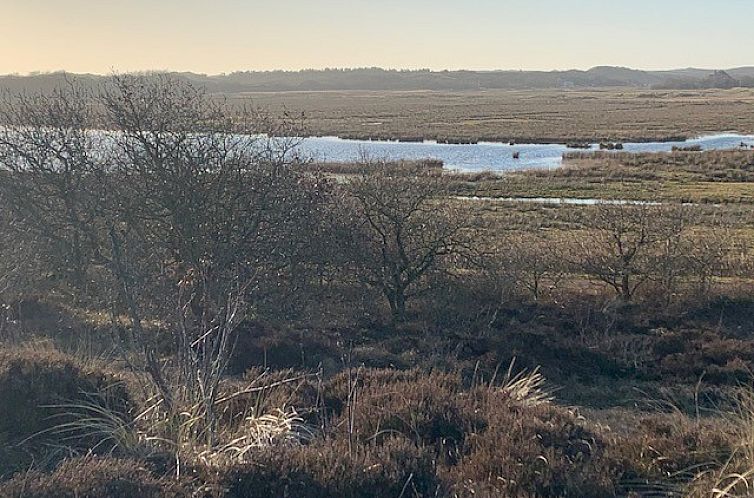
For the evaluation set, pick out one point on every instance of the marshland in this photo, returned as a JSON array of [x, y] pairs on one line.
[[186, 315], [525, 116]]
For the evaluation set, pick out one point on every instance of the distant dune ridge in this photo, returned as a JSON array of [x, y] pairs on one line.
[[381, 79]]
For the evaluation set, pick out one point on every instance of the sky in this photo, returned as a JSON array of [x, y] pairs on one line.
[[220, 36]]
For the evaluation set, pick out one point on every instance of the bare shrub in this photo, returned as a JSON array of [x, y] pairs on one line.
[[537, 263], [430, 166], [622, 243], [187, 215], [208, 216], [22, 274], [402, 230], [48, 161]]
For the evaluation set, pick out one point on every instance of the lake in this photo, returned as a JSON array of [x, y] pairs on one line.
[[486, 155]]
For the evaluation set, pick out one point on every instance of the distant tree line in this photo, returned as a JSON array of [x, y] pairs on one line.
[[718, 79], [377, 79]]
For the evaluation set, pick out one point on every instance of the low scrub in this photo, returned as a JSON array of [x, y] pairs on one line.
[[501, 438], [92, 477], [329, 469], [39, 389]]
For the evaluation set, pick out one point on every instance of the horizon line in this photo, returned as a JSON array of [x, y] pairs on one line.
[[356, 68]]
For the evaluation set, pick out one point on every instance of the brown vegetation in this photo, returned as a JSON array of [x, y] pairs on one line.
[[274, 331], [93, 478], [40, 389], [712, 177], [522, 116]]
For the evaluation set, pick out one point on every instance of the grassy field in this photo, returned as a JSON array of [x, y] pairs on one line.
[[723, 177], [525, 116]]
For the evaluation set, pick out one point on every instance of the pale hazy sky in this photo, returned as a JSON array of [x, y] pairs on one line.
[[217, 36]]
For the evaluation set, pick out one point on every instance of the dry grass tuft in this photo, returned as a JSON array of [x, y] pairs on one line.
[[275, 430], [527, 388]]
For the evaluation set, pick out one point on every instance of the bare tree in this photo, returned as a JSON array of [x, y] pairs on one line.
[[535, 263], [189, 208], [708, 256], [622, 242], [21, 271], [206, 209], [404, 228], [48, 160]]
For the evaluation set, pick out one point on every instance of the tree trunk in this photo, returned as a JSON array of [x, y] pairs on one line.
[[397, 300], [625, 286], [400, 306]]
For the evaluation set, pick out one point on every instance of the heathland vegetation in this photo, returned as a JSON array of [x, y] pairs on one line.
[[191, 309]]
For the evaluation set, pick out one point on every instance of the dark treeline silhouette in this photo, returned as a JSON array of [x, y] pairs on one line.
[[717, 79], [384, 79]]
